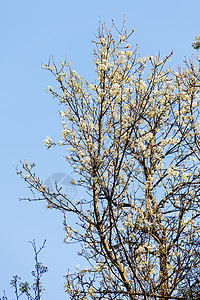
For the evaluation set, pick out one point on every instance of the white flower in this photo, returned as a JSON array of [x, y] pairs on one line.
[[47, 142], [198, 57], [129, 53], [49, 88]]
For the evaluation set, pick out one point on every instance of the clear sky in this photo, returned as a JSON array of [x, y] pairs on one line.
[[30, 32]]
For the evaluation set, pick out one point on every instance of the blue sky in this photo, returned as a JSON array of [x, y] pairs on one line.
[[30, 32]]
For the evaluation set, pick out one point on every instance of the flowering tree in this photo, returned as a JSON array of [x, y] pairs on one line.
[[34, 291], [133, 139]]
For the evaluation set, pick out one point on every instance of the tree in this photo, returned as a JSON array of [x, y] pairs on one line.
[[35, 291], [132, 137]]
